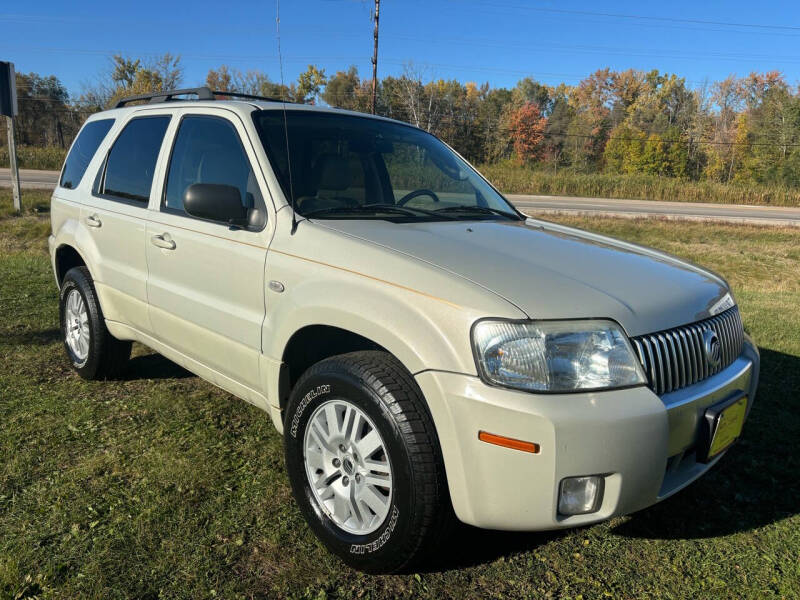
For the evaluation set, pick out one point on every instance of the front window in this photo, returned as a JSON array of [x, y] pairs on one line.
[[349, 167], [208, 149]]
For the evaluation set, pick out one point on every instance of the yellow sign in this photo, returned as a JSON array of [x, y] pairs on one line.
[[729, 426]]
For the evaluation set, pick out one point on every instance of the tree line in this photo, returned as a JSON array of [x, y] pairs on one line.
[[741, 129]]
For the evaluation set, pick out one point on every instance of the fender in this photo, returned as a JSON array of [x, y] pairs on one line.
[[416, 311]]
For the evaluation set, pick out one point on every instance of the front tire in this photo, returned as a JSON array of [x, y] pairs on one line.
[[93, 352], [364, 462]]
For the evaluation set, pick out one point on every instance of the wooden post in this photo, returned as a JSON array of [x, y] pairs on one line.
[[12, 162], [375, 58]]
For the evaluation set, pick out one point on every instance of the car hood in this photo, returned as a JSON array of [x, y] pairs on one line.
[[554, 272]]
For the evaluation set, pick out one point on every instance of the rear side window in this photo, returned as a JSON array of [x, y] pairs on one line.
[[131, 163], [89, 140]]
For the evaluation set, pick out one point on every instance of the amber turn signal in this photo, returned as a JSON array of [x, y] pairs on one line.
[[507, 442]]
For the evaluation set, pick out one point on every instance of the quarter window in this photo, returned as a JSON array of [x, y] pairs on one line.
[[208, 150], [87, 143], [131, 163]]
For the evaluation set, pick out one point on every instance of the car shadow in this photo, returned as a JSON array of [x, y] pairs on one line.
[[153, 366], [41, 337], [469, 546], [755, 485]]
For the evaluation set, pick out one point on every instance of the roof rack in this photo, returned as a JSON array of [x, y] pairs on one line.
[[202, 93]]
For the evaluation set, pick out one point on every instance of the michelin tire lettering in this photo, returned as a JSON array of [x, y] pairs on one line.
[[381, 541], [315, 393]]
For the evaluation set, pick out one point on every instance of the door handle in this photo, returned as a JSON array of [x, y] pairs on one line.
[[93, 221], [163, 241]]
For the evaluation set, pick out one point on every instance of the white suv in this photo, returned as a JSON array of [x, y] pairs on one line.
[[425, 349]]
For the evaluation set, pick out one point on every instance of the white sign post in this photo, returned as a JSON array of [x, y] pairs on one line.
[[8, 107]]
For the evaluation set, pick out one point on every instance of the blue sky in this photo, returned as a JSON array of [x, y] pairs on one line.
[[499, 41]]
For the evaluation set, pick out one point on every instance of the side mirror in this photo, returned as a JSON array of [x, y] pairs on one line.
[[215, 202]]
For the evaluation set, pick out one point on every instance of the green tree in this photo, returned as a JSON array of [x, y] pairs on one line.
[[309, 84], [346, 90], [45, 117]]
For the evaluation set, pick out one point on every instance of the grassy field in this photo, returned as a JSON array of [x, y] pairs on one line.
[[35, 157], [162, 486], [514, 179]]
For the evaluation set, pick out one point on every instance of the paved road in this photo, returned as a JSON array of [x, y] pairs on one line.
[[31, 178], [689, 211], [767, 215]]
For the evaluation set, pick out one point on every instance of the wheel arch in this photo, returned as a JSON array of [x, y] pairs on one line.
[[313, 343], [67, 257]]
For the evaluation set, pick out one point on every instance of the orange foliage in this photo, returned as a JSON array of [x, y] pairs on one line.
[[526, 126]]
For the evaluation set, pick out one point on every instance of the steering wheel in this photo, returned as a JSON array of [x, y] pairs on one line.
[[421, 192]]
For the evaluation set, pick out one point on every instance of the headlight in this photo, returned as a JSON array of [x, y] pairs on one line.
[[555, 356]]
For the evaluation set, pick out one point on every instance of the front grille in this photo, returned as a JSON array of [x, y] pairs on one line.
[[676, 358]]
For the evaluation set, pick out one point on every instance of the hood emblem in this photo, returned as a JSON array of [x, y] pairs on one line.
[[712, 348]]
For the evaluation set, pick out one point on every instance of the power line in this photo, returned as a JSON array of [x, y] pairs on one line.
[[635, 17]]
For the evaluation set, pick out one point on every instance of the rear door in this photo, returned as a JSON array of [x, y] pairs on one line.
[[206, 279], [114, 215]]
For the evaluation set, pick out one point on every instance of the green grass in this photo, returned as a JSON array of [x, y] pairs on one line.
[[162, 485], [48, 158], [514, 179]]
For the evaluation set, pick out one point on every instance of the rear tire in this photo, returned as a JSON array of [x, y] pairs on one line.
[[93, 352], [369, 390]]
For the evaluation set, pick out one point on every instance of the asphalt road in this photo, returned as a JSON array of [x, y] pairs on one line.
[[687, 211], [531, 204], [31, 178]]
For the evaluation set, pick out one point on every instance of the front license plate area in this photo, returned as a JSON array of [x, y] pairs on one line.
[[721, 426]]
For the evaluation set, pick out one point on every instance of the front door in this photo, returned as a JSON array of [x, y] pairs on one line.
[[206, 279]]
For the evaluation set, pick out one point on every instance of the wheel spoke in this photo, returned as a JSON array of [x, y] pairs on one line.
[[351, 417], [341, 507], [374, 499], [369, 444], [320, 439], [354, 511], [332, 421], [378, 466], [348, 466], [315, 459], [383, 481]]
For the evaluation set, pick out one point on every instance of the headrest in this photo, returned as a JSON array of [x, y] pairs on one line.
[[332, 172], [220, 166]]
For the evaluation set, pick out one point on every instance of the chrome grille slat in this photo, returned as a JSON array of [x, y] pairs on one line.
[[676, 358], [680, 380], [688, 356]]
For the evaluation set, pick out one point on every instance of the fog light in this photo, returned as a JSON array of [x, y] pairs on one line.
[[580, 495]]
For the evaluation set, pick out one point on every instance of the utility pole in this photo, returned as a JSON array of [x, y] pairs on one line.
[[375, 58], [8, 108]]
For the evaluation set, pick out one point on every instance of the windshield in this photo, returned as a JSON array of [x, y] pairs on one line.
[[350, 167]]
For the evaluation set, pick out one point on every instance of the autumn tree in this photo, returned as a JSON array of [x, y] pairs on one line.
[[128, 76], [526, 125]]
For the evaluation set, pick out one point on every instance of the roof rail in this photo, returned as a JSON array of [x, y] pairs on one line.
[[202, 93]]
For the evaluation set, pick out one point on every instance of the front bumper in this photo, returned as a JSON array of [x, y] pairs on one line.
[[641, 443]]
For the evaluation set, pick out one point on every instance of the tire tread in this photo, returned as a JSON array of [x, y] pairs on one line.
[[401, 396], [112, 354]]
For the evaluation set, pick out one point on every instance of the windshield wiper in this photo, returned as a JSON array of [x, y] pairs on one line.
[[375, 208], [411, 209], [486, 210]]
